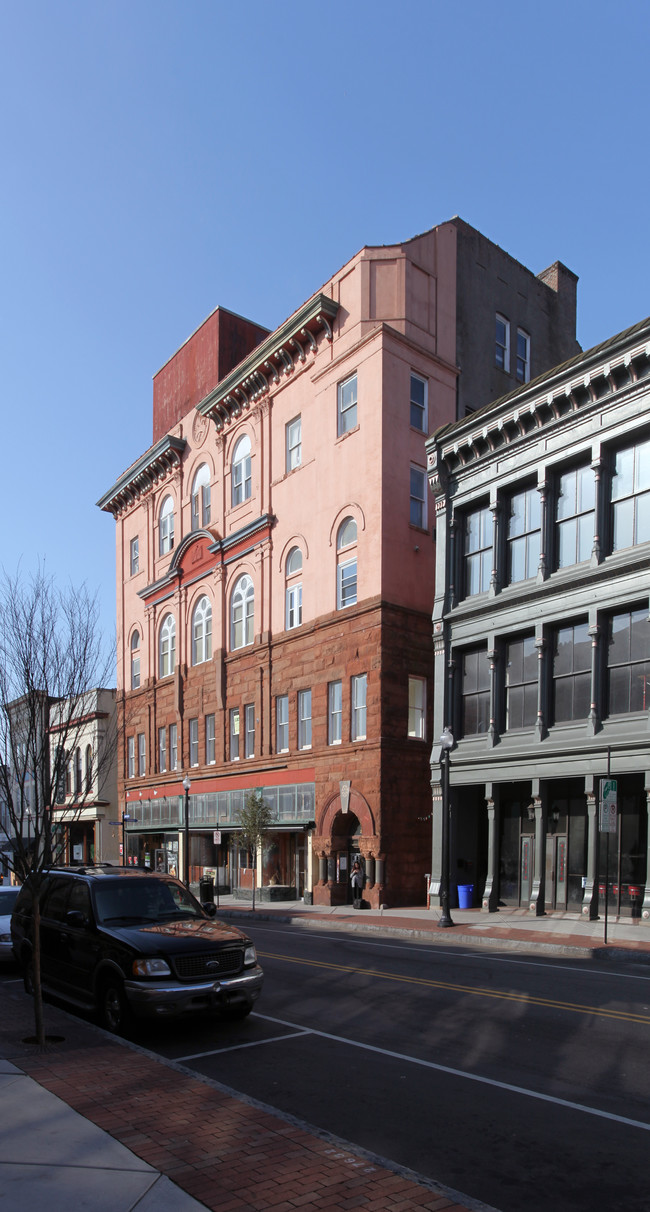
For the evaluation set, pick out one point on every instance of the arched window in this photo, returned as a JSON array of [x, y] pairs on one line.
[[201, 497], [89, 769], [166, 529], [241, 470], [77, 772], [202, 631], [167, 648], [346, 564], [135, 660], [242, 613], [293, 598]]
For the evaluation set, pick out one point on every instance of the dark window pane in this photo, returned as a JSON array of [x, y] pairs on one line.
[[623, 478], [581, 648], [581, 696], [640, 687], [563, 699], [515, 661], [640, 642], [518, 560], [515, 708], [642, 518], [470, 716], [563, 662], [530, 659], [623, 524], [586, 489], [483, 712], [530, 706], [585, 536], [532, 556], [619, 639]]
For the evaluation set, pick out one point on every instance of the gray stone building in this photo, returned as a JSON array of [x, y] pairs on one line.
[[542, 636]]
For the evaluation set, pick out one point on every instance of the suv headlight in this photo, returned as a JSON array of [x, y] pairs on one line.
[[151, 967], [250, 956]]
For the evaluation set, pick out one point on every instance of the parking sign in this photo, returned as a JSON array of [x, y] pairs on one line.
[[608, 806]]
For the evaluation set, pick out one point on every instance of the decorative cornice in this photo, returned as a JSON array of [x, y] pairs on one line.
[[150, 469], [591, 380], [239, 543], [269, 362]]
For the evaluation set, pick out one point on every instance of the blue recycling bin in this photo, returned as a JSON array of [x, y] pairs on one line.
[[465, 896]]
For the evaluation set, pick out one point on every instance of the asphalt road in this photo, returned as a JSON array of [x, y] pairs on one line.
[[520, 1081]]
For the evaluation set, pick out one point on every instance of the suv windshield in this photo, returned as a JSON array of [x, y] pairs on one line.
[[155, 900]]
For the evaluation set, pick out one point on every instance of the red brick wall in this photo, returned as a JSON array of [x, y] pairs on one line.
[[222, 341], [390, 771]]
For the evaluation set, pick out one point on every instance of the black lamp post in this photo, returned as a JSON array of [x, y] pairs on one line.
[[125, 817], [446, 743], [186, 832]]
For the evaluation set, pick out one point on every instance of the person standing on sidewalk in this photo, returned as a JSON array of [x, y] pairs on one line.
[[356, 879]]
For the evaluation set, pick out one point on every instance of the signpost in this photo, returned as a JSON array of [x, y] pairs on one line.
[[608, 823]]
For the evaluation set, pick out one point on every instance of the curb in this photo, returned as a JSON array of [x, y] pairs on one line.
[[444, 938]]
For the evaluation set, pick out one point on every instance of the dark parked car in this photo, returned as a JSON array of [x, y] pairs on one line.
[[130, 944]]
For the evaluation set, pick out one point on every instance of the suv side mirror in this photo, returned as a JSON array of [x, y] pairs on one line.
[[74, 917], [210, 908]]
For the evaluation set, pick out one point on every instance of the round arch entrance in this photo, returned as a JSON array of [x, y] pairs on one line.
[[346, 832]]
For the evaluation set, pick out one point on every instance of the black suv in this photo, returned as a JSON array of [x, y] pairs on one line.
[[130, 943]]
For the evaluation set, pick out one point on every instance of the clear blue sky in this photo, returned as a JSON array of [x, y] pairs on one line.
[[160, 157]]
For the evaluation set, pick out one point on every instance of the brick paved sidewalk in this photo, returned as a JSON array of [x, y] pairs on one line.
[[222, 1149]]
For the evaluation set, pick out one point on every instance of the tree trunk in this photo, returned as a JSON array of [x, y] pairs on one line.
[[39, 1025]]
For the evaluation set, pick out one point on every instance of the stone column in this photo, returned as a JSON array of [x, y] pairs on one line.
[[493, 731], [540, 723], [542, 568], [537, 895], [645, 912], [590, 896], [490, 901], [496, 534], [436, 833], [593, 722]]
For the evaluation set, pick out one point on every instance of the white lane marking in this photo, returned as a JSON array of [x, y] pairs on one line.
[[493, 959], [472, 1077], [257, 1043]]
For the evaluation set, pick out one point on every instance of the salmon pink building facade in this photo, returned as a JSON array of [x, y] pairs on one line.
[[275, 566]]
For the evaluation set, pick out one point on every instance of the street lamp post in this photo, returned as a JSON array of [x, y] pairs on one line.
[[186, 832], [125, 817], [446, 743]]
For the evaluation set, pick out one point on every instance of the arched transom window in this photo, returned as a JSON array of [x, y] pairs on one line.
[[242, 613], [346, 564], [166, 526], [201, 497], [293, 589], [135, 660], [241, 470], [167, 647], [202, 631]]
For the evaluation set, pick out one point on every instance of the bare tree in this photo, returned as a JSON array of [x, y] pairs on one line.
[[255, 820], [51, 657]]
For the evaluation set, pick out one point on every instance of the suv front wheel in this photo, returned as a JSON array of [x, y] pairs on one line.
[[114, 1009]]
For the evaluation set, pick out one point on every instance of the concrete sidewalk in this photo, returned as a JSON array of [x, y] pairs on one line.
[[52, 1157]]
